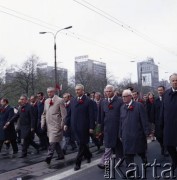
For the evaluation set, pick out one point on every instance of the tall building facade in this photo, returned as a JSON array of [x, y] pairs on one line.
[[148, 73], [49, 71], [87, 70]]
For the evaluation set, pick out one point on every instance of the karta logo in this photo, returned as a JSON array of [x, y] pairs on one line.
[[133, 171]]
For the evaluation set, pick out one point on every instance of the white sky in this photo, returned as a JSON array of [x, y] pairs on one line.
[[156, 18]]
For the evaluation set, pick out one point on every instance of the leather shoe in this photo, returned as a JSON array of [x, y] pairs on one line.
[[77, 167], [23, 156], [48, 160], [60, 158], [101, 166], [89, 160]]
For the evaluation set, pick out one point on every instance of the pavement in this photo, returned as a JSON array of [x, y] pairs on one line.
[[34, 167]]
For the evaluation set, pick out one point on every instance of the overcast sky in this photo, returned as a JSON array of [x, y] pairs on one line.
[[137, 29]]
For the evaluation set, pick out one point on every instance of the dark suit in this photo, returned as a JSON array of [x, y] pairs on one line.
[[158, 129], [41, 133], [81, 118], [8, 133], [169, 123], [110, 118], [68, 134], [133, 130], [26, 123]]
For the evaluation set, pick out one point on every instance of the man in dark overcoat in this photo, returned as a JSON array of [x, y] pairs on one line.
[[169, 119], [110, 120], [82, 121], [9, 134], [133, 128], [68, 135], [158, 129], [26, 125], [41, 133]]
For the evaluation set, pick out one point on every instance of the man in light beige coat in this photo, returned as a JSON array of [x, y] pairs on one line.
[[52, 119]]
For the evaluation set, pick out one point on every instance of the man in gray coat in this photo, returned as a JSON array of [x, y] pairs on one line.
[[53, 118], [133, 128]]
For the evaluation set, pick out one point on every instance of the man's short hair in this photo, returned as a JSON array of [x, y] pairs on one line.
[[127, 91], [41, 93], [98, 93], [110, 86], [161, 86], [50, 89], [24, 96], [5, 100], [174, 74], [134, 91], [80, 85], [67, 94]]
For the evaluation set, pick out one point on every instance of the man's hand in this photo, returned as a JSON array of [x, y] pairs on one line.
[[65, 127], [91, 131], [6, 125]]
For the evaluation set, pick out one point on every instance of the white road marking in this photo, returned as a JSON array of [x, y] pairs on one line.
[[71, 171]]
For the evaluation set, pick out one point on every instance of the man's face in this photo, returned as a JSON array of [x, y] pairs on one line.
[[23, 100], [145, 97], [39, 97], [51, 93], [126, 98], [65, 98], [135, 95], [173, 81], [160, 91], [92, 96], [32, 99], [109, 92], [3, 103], [97, 97], [79, 91]]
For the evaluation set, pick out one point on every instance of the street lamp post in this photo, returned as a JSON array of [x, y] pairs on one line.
[[55, 50]]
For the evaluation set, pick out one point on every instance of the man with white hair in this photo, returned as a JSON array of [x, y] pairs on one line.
[[53, 118], [169, 119], [81, 118], [110, 120], [133, 128]]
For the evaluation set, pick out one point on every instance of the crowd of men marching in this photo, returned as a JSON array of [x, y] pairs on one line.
[[122, 123]]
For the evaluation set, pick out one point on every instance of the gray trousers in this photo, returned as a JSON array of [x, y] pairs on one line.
[[106, 156], [52, 147]]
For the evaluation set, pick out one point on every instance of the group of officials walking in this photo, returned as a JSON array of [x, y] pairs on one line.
[[125, 123]]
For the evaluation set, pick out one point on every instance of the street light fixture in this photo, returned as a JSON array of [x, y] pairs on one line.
[[55, 48]]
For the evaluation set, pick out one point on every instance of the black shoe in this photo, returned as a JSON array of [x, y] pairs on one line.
[[42, 148], [88, 160], [23, 156], [60, 158], [77, 167], [101, 166], [64, 151], [15, 152], [37, 151], [48, 160], [144, 160]]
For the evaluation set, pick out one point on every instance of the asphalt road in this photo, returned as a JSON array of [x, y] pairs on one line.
[[34, 167]]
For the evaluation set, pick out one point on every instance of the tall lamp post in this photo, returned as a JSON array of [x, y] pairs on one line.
[[55, 49]]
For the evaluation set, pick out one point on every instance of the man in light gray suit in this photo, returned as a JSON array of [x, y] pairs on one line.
[[53, 118]]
